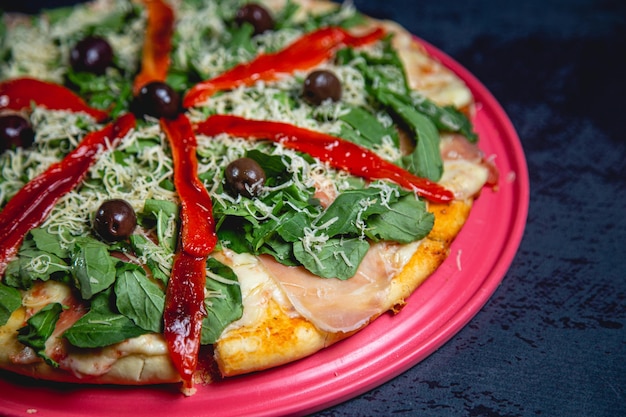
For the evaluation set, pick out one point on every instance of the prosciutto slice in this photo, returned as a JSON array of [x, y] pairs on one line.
[[334, 305]]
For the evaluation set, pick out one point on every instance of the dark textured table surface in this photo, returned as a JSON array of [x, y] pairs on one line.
[[551, 340]]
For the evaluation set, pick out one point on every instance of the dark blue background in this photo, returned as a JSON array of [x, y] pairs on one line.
[[551, 341]]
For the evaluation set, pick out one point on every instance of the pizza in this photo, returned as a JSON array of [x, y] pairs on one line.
[[194, 190]]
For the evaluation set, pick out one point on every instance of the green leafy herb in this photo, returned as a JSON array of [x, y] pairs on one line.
[[34, 263], [223, 302], [93, 268], [425, 160], [166, 214], [138, 298], [48, 242], [10, 300], [39, 328], [348, 213], [407, 220], [102, 326], [337, 258], [145, 247], [111, 91], [365, 129]]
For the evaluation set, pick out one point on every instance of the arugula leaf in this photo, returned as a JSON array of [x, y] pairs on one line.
[[425, 160], [36, 264], [102, 326], [223, 303], [165, 213], [93, 268], [348, 212], [446, 118], [108, 92], [138, 298], [39, 328], [406, 221], [291, 227], [33, 263], [336, 258], [241, 38], [273, 166], [145, 247], [10, 300], [364, 128], [48, 242]]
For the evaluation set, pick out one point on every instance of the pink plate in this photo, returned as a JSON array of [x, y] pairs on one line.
[[479, 259]]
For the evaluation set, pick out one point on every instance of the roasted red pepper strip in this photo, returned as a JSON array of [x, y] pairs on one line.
[[184, 311], [337, 152], [20, 93], [198, 236], [32, 204], [155, 58], [305, 53], [184, 302]]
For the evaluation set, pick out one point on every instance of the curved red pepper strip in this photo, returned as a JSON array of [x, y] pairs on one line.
[[184, 311], [155, 58], [20, 93], [32, 204], [198, 236], [184, 302], [307, 52], [337, 152]]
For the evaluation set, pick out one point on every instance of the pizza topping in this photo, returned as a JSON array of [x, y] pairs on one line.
[[342, 305], [15, 132], [91, 54], [244, 176], [115, 220], [184, 306], [157, 99], [197, 227], [337, 152], [20, 93], [306, 52], [30, 206], [321, 85], [155, 59], [257, 16]]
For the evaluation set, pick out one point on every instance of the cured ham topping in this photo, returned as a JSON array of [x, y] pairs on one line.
[[323, 301]]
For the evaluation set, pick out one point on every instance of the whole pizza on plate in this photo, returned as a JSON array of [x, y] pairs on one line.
[[191, 190]]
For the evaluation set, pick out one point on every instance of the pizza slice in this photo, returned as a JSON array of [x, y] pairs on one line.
[[229, 187]]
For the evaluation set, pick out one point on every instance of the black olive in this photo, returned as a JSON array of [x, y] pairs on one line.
[[245, 176], [157, 99], [91, 54], [257, 16], [115, 220], [15, 132], [321, 85]]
